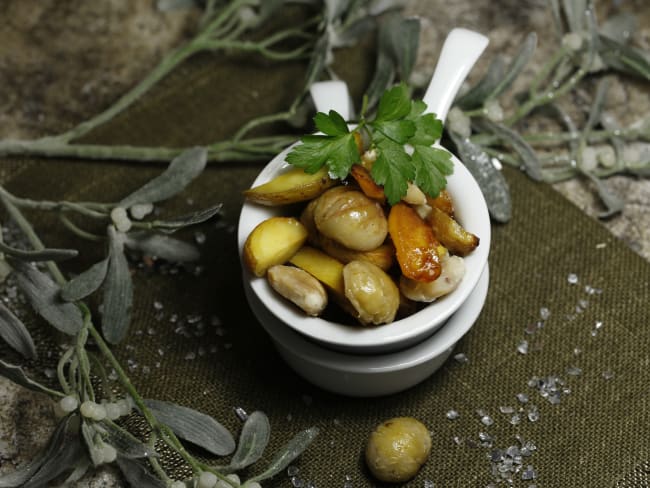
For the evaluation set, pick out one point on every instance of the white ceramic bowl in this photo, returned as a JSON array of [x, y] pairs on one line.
[[471, 211], [370, 375]]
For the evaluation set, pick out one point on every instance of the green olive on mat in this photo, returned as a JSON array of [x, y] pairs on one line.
[[397, 449]]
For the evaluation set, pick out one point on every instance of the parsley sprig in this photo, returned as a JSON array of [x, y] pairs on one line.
[[399, 124]]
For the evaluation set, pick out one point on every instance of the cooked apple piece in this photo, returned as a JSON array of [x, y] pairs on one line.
[[442, 202], [272, 242], [451, 234], [416, 247], [324, 268], [453, 270], [368, 186], [293, 186]]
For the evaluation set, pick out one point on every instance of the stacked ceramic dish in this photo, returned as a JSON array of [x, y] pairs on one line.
[[380, 360]]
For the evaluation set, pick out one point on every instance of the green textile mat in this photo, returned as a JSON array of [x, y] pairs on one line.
[[596, 436]]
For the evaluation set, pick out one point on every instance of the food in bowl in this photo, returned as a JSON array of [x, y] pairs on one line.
[[378, 224], [376, 262]]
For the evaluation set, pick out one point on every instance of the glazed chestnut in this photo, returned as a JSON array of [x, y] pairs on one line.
[[397, 449], [351, 218], [372, 293]]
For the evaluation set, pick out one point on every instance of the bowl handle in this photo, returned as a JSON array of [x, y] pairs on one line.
[[332, 95], [459, 53]]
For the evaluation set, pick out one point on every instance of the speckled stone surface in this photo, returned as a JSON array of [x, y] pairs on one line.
[[63, 61]]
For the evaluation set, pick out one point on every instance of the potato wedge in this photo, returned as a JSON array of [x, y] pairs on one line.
[[272, 242], [451, 234], [416, 247], [368, 186], [324, 268], [293, 186]]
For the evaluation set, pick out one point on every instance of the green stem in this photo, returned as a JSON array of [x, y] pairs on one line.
[[259, 121], [60, 370], [72, 227], [124, 379], [546, 97], [27, 229], [155, 465], [559, 138], [84, 364], [79, 207], [231, 150], [102, 375], [548, 67]]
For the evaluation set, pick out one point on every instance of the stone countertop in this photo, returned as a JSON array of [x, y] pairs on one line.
[[53, 59]]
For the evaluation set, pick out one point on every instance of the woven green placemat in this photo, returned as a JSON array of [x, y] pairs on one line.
[[559, 281]]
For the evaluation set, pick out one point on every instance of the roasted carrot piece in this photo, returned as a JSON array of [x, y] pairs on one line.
[[368, 186], [416, 247]]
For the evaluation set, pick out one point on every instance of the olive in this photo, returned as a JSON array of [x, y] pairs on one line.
[[372, 293], [397, 449], [351, 218]]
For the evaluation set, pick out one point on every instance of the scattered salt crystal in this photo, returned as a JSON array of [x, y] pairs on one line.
[[487, 420], [572, 279], [199, 237], [506, 409], [529, 474], [574, 371], [452, 414], [533, 414], [522, 398], [608, 375], [461, 358], [522, 347]]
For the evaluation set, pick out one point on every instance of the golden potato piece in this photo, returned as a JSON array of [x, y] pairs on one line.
[[451, 234], [324, 268], [293, 186], [272, 242]]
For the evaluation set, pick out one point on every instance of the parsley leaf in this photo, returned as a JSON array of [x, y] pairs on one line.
[[398, 122], [428, 129], [339, 153], [394, 104], [431, 166], [332, 124], [393, 169]]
